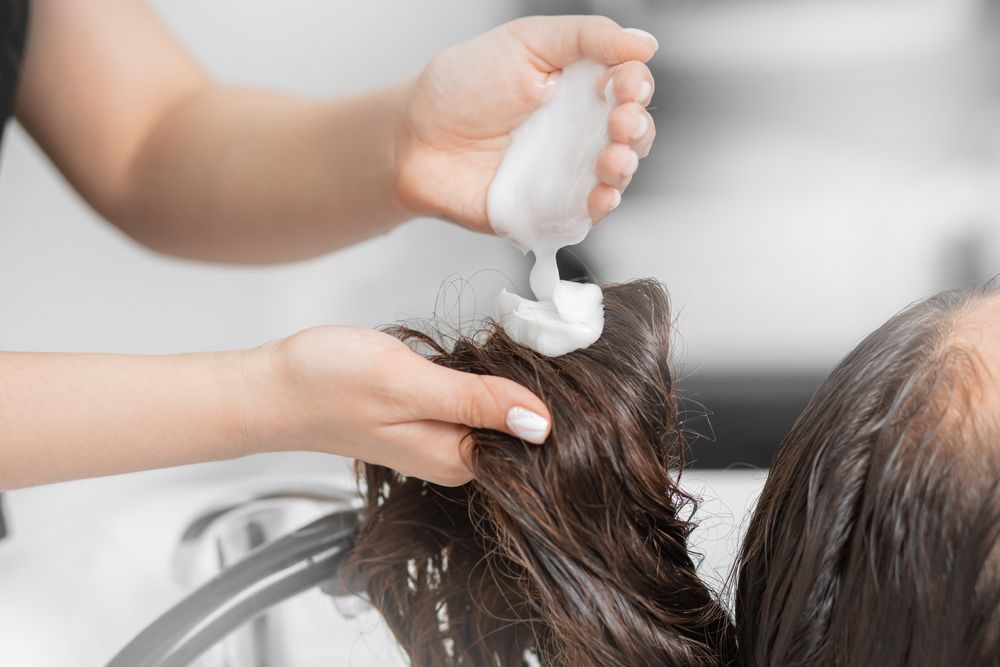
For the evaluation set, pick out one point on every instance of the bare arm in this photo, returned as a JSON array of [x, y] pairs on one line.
[[200, 170], [338, 390], [192, 168], [66, 416]]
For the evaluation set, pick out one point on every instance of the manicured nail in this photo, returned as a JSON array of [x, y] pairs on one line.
[[640, 127], [616, 199], [633, 164], [609, 91], [645, 95], [644, 35], [527, 425]]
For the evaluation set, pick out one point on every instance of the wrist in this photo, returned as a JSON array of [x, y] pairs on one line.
[[413, 161], [260, 397], [407, 195]]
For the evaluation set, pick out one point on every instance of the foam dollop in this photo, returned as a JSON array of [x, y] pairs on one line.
[[538, 201], [572, 319]]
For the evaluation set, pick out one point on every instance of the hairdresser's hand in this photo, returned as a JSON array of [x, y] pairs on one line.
[[463, 107], [364, 394]]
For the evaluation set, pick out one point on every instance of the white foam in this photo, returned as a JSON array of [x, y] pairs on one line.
[[538, 201], [572, 319]]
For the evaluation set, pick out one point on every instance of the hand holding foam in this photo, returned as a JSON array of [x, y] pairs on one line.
[[460, 112], [538, 201]]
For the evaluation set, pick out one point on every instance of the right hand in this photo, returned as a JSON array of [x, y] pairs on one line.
[[460, 112], [364, 394]]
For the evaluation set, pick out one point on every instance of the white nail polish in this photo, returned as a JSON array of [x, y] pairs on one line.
[[616, 199], [609, 91], [643, 34], [527, 425], [633, 164], [640, 128], [645, 93]]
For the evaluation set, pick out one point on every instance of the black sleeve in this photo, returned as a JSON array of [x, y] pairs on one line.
[[13, 27]]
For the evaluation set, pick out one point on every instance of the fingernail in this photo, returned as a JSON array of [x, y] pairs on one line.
[[609, 91], [616, 199], [633, 164], [527, 425], [643, 34], [645, 93], [640, 128]]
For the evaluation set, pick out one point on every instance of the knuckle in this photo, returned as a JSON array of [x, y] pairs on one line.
[[602, 22], [450, 468], [620, 156], [454, 478], [469, 410], [619, 120], [480, 399], [492, 396], [521, 23], [636, 68]]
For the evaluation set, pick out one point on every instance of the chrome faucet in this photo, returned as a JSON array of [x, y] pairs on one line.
[[224, 533]]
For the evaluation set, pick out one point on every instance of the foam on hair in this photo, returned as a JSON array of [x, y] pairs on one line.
[[572, 553]]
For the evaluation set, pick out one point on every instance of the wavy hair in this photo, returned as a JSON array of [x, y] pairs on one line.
[[573, 553]]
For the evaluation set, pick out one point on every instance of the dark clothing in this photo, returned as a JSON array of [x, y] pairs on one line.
[[13, 26]]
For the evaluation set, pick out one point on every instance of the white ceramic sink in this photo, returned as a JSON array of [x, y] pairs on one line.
[[89, 563]]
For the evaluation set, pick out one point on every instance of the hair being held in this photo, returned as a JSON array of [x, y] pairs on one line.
[[573, 553]]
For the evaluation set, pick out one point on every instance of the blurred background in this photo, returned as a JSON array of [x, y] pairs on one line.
[[819, 165]]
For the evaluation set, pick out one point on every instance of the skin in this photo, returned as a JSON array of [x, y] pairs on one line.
[[200, 170], [973, 333]]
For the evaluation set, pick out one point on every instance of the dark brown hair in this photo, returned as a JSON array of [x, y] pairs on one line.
[[572, 553], [876, 540]]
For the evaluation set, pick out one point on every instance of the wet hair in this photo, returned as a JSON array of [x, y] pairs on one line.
[[876, 540], [572, 553]]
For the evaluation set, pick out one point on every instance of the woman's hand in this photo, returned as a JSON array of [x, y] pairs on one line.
[[462, 109], [364, 394], [224, 173]]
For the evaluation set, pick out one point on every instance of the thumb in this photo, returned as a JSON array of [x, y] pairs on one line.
[[562, 40], [483, 401]]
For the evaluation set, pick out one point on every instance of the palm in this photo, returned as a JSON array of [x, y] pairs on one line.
[[470, 98], [461, 116]]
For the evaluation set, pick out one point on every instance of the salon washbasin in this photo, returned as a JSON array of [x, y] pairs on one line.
[[100, 563], [95, 562]]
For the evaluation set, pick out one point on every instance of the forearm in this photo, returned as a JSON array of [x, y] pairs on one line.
[[193, 168], [67, 416], [232, 174]]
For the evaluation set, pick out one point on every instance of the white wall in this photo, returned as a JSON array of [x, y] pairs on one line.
[[68, 281], [782, 241]]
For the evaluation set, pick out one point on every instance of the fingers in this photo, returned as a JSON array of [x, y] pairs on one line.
[[558, 41], [603, 199], [562, 40], [609, 44], [616, 164], [481, 401], [630, 82], [444, 454], [632, 87], [631, 125], [631, 130]]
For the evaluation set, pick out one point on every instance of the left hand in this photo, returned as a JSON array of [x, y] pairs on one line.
[[460, 111], [366, 395]]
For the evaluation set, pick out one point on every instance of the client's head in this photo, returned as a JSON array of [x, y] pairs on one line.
[[876, 540], [575, 553]]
